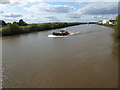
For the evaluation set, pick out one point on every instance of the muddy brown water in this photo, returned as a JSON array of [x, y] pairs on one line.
[[78, 61]]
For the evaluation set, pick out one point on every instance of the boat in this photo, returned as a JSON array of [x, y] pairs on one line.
[[61, 33]]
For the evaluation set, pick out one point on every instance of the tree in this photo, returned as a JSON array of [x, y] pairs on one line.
[[15, 22], [22, 23], [3, 23]]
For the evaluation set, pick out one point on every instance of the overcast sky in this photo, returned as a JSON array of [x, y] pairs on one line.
[[40, 11]]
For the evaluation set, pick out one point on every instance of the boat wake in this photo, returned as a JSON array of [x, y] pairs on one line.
[[55, 36], [76, 33]]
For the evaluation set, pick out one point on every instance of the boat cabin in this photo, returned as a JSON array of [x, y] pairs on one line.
[[61, 33]]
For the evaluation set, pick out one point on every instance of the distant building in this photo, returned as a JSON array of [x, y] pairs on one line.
[[105, 21], [112, 22]]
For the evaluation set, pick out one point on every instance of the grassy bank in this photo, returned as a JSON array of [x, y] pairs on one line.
[[13, 29], [107, 25], [117, 27]]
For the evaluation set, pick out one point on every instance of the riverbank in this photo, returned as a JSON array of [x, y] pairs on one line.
[[107, 25], [14, 29], [116, 35]]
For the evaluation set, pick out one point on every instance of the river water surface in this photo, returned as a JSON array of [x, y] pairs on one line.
[[79, 61]]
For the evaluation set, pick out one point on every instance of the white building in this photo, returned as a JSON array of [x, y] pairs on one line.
[[112, 22], [105, 21]]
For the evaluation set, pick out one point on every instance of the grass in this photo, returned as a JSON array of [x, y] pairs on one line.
[[107, 25]]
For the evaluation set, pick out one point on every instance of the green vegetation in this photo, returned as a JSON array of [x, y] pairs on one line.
[[22, 27], [107, 25], [117, 27], [117, 34], [22, 23], [3, 23], [11, 29]]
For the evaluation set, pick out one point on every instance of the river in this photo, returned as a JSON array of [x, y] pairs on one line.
[[35, 60]]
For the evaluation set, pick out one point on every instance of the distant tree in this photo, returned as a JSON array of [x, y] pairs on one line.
[[2, 22], [22, 23], [15, 22], [8, 23]]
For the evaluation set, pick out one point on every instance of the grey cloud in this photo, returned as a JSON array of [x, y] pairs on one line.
[[1, 12], [95, 11], [43, 7], [4, 1], [52, 18], [95, 17], [14, 3], [59, 9], [100, 9], [74, 16], [13, 15]]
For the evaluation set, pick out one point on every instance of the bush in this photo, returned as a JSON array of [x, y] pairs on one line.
[[25, 29], [33, 27], [117, 27], [11, 29]]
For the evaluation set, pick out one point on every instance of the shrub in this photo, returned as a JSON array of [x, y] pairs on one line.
[[14, 28], [11, 29], [25, 29], [33, 27], [117, 27]]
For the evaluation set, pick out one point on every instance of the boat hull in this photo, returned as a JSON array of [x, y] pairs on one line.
[[56, 36]]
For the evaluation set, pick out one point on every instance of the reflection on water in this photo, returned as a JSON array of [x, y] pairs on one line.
[[78, 61]]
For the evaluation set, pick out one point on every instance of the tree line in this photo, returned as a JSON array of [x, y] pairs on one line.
[[20, 23], [22, 27]]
